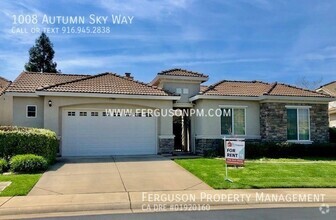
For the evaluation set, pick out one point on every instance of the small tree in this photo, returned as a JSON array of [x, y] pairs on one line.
[[41, 56]]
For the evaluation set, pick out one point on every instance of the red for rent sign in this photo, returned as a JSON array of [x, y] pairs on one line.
[[235, 152]]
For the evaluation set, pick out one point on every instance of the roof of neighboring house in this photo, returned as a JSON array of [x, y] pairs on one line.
[[329, 88], [28, 82], [257, 88], [4, 83], [181, 72], [105, 83]]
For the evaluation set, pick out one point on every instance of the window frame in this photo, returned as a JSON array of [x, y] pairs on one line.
[[298, 122], [27, 111], [233, 107]]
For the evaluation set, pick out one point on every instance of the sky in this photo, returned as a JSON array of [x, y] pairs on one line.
[[267, 40]]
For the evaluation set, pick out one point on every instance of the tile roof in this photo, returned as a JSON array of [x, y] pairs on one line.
[[4, 83], [29, 81], [329, 88], [181, 72], [203, 88], [257, 88], [106, 83]]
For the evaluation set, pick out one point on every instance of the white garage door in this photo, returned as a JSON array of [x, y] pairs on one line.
[[93, 133]]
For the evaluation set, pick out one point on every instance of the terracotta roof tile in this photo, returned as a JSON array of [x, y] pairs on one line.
[[30, 81], [106, 83], [329, 88], [203, 88], [181, 72], [4, 83], [238, 88], [257, 88]]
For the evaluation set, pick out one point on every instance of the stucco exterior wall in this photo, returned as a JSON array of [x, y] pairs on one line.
[[6, 110], [210, 127], [20, 115], [332, 120], [193, 88]]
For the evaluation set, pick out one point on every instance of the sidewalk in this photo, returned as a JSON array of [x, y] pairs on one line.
[[165, 201]]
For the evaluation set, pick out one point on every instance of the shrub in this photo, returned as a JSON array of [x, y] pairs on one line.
[[28, 163], [21, 140], [288, 150], [3, 165], [332, 134]]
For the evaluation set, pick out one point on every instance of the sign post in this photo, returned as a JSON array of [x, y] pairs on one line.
[[234, 150]]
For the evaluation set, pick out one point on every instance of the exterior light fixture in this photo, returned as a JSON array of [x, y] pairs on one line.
[[50, 103]]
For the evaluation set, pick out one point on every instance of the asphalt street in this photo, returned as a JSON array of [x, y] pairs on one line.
[[246, 214]]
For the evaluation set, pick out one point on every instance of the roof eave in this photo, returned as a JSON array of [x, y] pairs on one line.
[[103, 95]]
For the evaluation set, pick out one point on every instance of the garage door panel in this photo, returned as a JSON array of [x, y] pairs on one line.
[[105, 135]]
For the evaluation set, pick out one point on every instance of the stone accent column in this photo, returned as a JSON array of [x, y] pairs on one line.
[[166, 144]]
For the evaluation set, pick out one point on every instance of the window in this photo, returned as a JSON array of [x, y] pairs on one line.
[[31, 111], [185, 91], [104, 114], [298, 124], [233, 121], [94, 113], [71, 113], [83, 114], [178, 91]]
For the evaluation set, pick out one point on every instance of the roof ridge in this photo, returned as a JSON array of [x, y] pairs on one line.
[[327, 84], [273, 85], [4, 79], [303, 89], [183, 70], [61, 74], [71, 81]]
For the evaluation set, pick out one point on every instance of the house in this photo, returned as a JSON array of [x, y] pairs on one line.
[[330, 89], [99, 114]]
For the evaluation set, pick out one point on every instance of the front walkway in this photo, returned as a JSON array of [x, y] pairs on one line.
[[116, 174]]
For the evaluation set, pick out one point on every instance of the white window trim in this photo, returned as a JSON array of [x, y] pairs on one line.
[[297, 124], [27, 111], [298, 106], [234, 107]]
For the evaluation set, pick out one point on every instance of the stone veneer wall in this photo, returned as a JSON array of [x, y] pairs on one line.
[[204, 145], [273, 122], [166, 146]]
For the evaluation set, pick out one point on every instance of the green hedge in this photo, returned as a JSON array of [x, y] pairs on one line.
[[332, 133], [288, 150], [28, 163], [3, 165], [22, 140]]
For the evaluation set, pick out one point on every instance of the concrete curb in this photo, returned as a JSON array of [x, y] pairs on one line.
[[140, 201]]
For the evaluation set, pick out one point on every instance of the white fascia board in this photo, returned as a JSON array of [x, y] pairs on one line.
[[22, 94], [97, 95]]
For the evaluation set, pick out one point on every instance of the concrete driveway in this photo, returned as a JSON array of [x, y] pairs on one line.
[[116, 174]]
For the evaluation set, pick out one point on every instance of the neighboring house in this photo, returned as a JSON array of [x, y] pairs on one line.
[[5, 116], [74, 106], [330, 89]]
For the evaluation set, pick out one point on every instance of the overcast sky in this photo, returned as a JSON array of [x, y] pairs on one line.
[[268, 40]]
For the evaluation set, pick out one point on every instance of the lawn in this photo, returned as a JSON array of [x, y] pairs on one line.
[[21, 184], [265, 173]]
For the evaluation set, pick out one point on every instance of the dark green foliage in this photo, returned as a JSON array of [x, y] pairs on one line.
[[332, 133], [21, 140], [288, 150], [41, 56], [28, 163], [3, 165]]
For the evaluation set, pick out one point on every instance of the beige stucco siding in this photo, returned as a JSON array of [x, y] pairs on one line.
[[193, 88], [20, 111], [332, 120], [53, 115], [6, 109], [210, 127]]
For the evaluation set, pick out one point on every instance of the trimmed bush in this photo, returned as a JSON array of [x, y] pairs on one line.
[[22, 140], [28, 163], [3, 165], [332, 134], [288, 150]]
